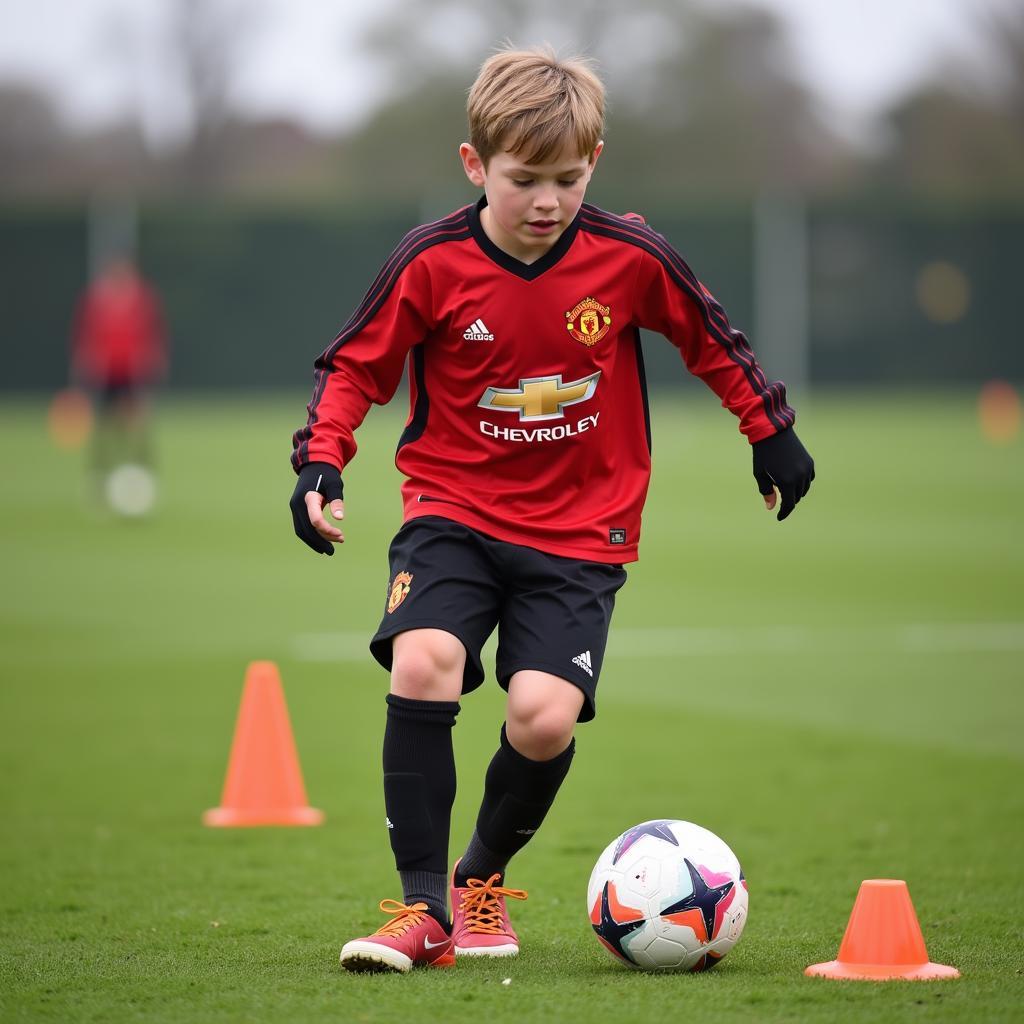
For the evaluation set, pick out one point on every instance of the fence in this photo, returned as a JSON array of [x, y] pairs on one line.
[[903, 295]]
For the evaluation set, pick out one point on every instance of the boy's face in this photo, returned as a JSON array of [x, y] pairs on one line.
[[529, 205]]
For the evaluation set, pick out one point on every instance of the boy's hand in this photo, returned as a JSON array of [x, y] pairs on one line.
[[782, 461], [318, 482]]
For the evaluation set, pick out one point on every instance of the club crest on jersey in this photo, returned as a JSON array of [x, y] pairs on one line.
[[399, 589], [588, 321]]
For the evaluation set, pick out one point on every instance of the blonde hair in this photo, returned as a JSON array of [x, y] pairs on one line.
[[532, 104]]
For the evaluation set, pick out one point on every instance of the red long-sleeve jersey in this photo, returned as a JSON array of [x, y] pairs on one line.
[[118, 333], [528, 414]]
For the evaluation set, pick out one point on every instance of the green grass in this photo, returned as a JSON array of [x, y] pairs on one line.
[[839, 697]]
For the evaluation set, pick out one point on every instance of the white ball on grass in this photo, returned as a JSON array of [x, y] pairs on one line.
[[131, 490]]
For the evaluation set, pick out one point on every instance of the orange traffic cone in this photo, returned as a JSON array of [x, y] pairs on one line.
[[883, 939], [264, 782]]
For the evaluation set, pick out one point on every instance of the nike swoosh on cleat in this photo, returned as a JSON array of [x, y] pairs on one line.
[[431, 945]]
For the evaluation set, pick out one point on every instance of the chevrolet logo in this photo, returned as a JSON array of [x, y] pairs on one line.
[[541, 398]]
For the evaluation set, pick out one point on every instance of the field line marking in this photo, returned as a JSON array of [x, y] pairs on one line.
[[682, 641]]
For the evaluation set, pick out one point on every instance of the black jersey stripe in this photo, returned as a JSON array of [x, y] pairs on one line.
[[451, 228], [641, 373], [710, 308], [397, 255], [772, 396], [395, 263], [398, 259], [393, 266], [735, 342], [736, 346], [324, 363], [367, 310], [421, 411], [410, 247]]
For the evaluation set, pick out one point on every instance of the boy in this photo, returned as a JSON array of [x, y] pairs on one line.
[[527, 458]]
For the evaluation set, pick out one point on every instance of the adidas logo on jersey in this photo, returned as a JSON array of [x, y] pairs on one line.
[[583, 662], [477, 331]]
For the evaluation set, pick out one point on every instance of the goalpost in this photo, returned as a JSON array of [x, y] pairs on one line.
[[782, 289]]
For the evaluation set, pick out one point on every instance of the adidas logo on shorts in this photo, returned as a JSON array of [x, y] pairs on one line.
[[583, 662], [477, 331]]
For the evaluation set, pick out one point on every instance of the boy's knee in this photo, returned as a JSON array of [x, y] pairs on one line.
[[540, 733], [427, 664]]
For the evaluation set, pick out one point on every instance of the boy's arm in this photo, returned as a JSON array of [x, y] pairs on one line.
[[671, 301], [361, 367]]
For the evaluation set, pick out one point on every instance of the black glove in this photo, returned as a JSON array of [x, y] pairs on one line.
[[325, 479], [783, 461]]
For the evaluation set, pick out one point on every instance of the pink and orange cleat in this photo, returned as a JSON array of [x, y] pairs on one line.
[[481, 926], [412, 938]]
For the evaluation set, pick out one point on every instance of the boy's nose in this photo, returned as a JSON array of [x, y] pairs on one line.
[[546, 202]]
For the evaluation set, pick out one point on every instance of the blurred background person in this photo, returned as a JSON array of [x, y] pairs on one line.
[[118, 353]]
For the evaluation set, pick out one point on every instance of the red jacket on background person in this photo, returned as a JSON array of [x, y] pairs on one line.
[[118, 338]]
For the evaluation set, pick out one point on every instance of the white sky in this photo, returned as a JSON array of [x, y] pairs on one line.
[[301, 56]]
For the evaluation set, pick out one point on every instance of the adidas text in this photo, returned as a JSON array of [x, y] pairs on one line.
[[477, 331], [583, 662], [387, 821]]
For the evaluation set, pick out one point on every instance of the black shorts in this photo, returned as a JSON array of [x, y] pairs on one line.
[[552, 613], [114, 390]]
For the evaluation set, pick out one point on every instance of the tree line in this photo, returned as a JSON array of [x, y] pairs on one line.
[[703, 103]]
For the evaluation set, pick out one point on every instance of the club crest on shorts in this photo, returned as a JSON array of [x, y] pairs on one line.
[[399, 588], [588, 321]]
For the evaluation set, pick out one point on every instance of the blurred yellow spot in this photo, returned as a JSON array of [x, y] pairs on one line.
[[999, 410], [943, 292], [70, 419]]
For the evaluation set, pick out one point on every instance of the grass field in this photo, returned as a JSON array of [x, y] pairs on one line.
[[839, 697]]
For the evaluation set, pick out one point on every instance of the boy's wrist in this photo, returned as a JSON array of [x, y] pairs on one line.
[[781, 461], [322, 477], [324, 480]]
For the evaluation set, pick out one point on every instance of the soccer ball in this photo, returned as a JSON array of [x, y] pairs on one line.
[[131, 491], [667, 896]]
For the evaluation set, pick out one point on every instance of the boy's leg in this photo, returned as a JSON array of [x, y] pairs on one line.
[[551, 647], [441, 605], [553, 631], [419, 790], [525, 774], [522, 781], [419, 761]]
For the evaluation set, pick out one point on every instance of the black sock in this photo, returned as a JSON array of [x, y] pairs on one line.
[[518, 793], [419, 790], [479, 862], [428, 887]]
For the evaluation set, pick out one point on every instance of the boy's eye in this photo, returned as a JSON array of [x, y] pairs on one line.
[[527, 182]]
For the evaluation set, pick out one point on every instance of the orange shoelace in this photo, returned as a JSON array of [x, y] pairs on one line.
[[406, 917], [481, 905]]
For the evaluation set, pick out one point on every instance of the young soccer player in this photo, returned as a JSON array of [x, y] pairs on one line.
[[527, 458], [119, 352]]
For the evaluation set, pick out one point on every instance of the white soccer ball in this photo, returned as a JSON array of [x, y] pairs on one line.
[[131, 490], [667, 896]]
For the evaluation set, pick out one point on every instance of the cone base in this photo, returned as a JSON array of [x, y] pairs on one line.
[[839, 970], [242, 817]]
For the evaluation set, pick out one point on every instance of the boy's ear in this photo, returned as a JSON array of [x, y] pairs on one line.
[[593, 156], [472, 164]]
